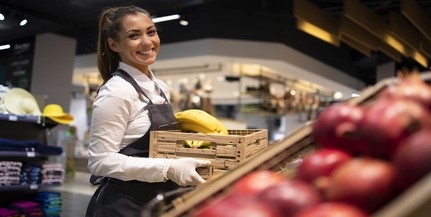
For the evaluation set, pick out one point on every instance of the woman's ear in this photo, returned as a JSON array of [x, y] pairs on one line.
[[112, 44]]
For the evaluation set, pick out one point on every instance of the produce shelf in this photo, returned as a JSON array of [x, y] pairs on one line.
[[282, 156]]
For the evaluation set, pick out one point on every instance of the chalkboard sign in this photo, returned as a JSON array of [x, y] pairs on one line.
[[16, 63]]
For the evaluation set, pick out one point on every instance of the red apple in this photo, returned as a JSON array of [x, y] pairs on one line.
[[320, 162], [412, 87], [364, 182], [235, 205], [337, 127], [257, 181], [290, 196], [387, 122], [318, 165], [412, 159], [332, 209]]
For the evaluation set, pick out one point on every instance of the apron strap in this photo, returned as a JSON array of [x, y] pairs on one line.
[[132, 81]]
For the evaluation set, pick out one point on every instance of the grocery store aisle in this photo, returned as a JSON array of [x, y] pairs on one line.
[[76, 193]]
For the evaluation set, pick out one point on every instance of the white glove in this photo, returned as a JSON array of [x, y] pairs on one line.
[[183, 171]]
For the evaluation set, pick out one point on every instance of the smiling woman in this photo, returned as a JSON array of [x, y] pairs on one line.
[[137, 43], [130, 103]]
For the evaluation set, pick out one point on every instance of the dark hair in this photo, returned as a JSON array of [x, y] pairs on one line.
[[109, 26]]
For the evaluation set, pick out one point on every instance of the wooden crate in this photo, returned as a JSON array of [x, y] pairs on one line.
[[226, 151], [283, 157]]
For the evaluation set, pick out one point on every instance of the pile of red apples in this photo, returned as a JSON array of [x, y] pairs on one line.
[[366, 155]]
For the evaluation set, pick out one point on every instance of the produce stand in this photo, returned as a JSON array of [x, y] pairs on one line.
[[282, 157]]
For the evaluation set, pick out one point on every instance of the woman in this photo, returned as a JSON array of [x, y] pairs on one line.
[[129, 104]]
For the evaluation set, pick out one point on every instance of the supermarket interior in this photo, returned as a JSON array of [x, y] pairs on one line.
[[273, 85]]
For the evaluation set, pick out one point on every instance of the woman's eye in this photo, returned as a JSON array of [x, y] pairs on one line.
[[134, 36], [152, 32]]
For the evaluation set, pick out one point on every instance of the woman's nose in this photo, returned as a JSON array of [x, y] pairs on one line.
[[146, 39]]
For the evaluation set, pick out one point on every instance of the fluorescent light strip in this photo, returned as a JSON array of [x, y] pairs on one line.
[[421, 59], [396, 44], [4, 47], [166, 18], [317, 32]]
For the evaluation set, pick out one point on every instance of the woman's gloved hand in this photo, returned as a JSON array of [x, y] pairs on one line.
[[183, 171]]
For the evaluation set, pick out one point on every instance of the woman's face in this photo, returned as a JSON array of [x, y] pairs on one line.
[[138, 42]]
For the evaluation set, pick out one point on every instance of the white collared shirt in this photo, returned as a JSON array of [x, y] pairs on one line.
[[118, 119]]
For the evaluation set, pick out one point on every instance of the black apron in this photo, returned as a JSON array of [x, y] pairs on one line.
[[119, 198]]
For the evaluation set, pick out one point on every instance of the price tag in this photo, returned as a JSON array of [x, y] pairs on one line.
[[13, 117], [31, 154], [33, 187]]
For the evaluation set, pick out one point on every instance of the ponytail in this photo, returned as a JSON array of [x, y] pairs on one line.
[[109, 26]]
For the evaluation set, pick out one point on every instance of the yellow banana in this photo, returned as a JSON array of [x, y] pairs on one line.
[[198, 128], [197, 120], [192, 143], [196, 144]]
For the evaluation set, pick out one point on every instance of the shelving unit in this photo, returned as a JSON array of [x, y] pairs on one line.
[[21, 118], [27, 156], [33, 187], [20, 128], [26, 173]]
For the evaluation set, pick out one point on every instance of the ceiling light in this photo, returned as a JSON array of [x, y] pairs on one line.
[[396, 44], [21, 18], [184, 22], [3, 12], [23, 22], [390, 51], [4, 46], [317, 32], [337, 95], [316, 22], [355, 95], [408, 36], [398, 35], [166, 18], [418, 57]]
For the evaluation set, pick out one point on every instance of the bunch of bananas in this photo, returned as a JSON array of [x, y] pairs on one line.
[[199, 121]]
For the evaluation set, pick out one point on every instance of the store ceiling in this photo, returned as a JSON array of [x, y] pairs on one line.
[[258, 20]]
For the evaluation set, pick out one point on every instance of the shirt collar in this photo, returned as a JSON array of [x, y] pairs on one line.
[[143, 80]]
